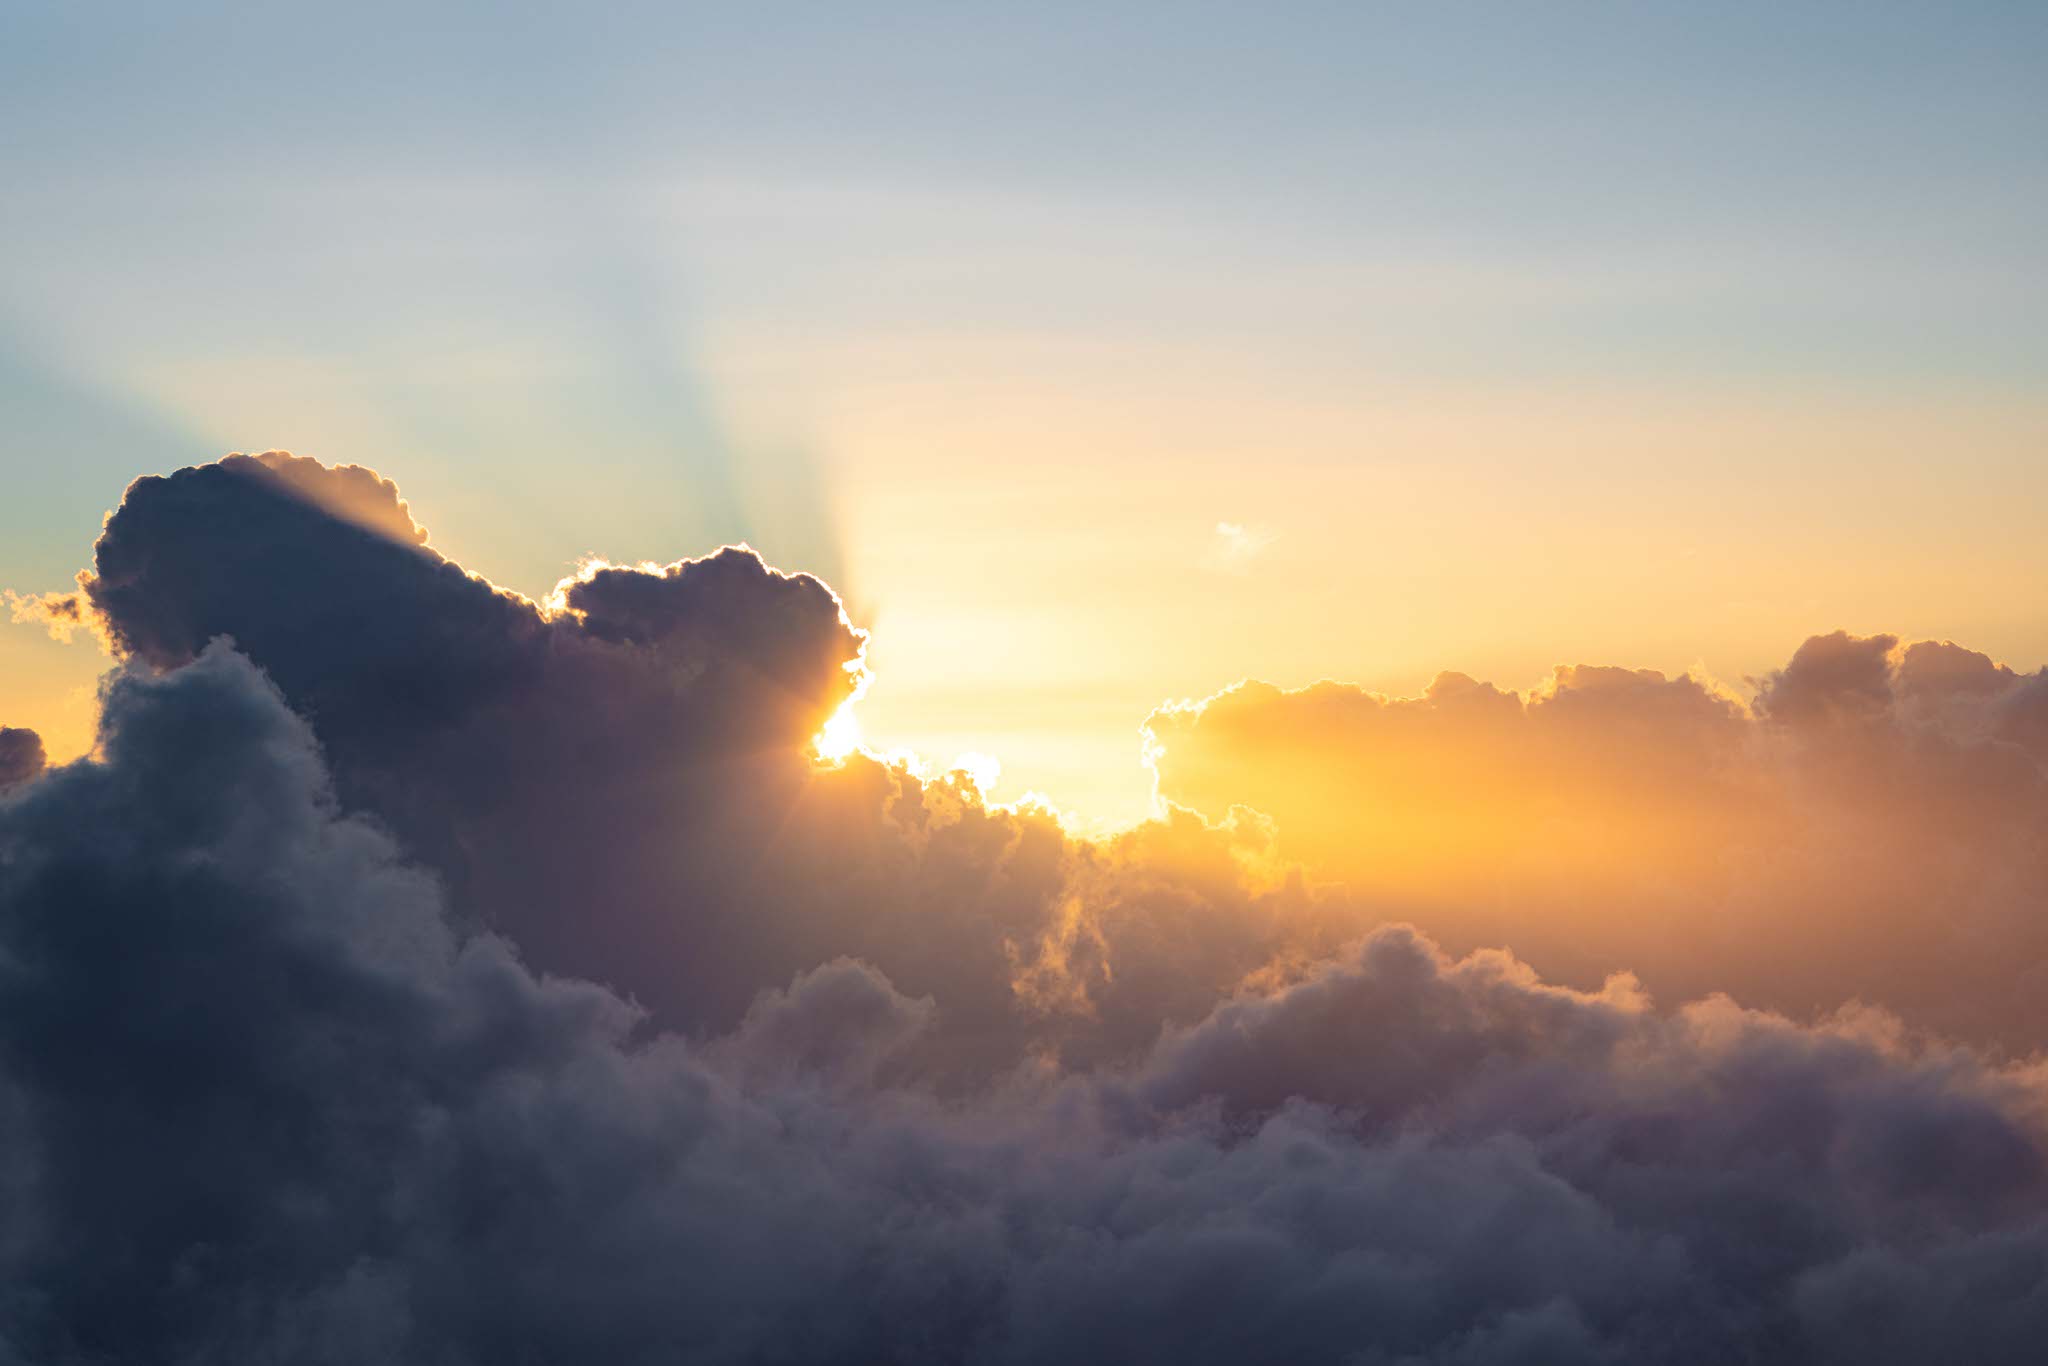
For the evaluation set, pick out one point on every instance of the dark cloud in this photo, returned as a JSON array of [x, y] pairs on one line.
[[631, 752], [420, 973], [266, 1103], [1832, 678], [21, 755], [622, 779]]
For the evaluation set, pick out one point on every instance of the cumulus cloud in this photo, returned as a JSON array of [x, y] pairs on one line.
[[623, 753], [622, 779], [268, 1103], [21, 755], [420, 973], [1874, 824]]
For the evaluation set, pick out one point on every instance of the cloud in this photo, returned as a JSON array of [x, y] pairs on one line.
[[271, 1105], [597, 754], [639, 747], [1874, 825], [1235, 546], [63, 615], [21, 755], [426, 974]]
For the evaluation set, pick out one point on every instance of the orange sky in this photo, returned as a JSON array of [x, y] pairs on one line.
[[1323, 348], [1035, 601]]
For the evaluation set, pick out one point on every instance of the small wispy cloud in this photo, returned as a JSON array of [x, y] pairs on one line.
[[61, 614], [1234, 547]]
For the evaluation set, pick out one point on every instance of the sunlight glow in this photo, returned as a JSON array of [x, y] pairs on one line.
[[981, 769], [841, 736]]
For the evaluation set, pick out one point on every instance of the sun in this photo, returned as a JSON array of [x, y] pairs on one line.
[[840, 736]]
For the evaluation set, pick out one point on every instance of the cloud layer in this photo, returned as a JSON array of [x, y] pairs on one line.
[[1874, 824], [418, 973]]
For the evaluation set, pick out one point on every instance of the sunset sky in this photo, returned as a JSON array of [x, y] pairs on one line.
[[1023, 685], [1097, 358]]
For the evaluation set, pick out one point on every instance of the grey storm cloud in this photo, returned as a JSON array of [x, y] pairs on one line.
[[307, 1054]]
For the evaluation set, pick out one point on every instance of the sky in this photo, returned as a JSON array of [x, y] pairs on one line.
[[1504, 337], [991, 684]]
